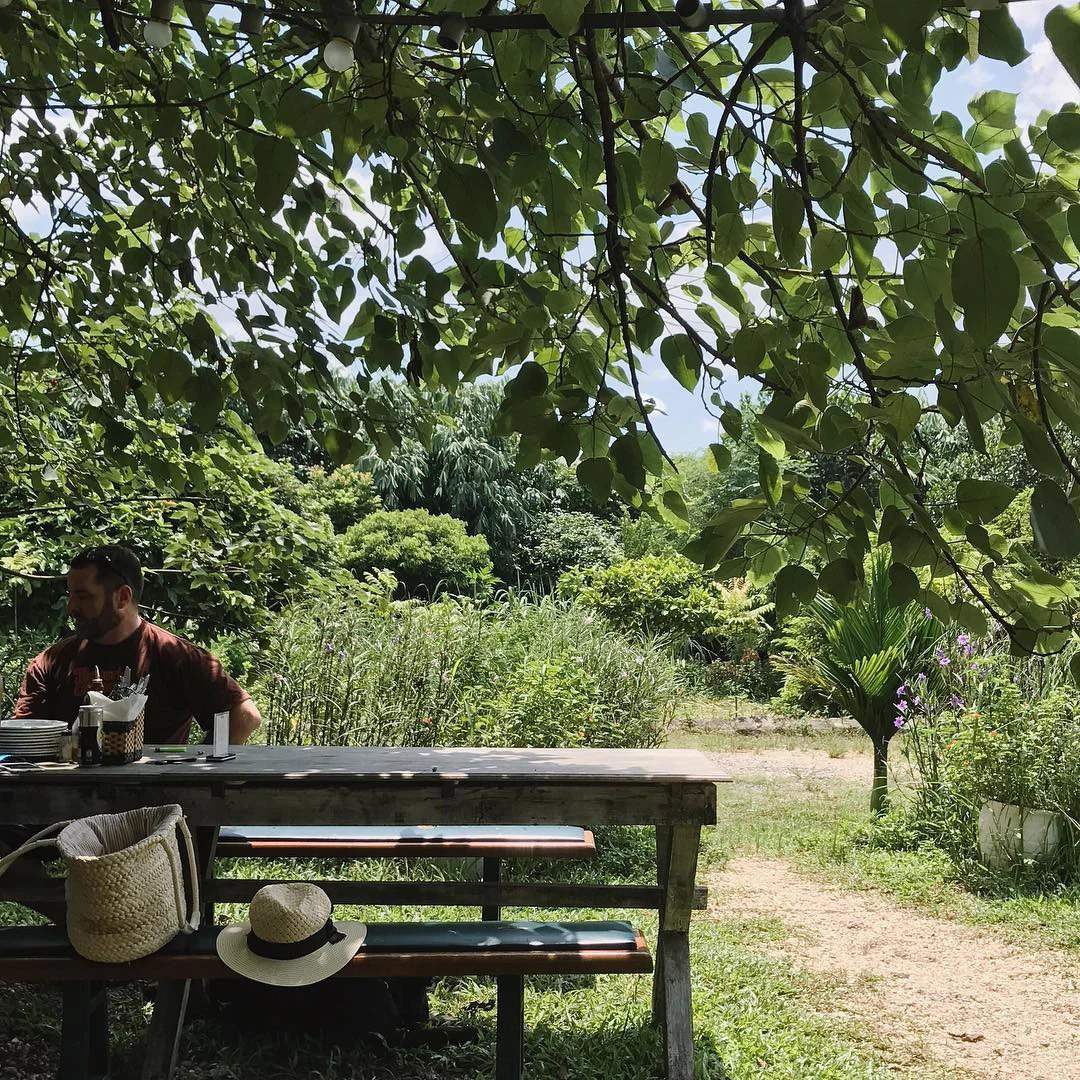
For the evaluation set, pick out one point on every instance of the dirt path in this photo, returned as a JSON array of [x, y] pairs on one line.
[[956, 995], [795, 764]]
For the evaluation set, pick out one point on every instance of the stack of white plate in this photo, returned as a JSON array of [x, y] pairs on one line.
[[37, 740]]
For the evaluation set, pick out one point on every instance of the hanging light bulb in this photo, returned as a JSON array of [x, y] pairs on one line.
[[251, 20], [693, 14], [451, 32], [157, 33], [338, 55]]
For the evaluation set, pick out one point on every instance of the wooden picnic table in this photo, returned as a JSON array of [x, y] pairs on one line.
[[672, 791]]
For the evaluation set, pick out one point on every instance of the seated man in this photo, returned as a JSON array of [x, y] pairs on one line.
[[186, 682]]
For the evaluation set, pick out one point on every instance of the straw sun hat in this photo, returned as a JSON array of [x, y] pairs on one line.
[[290, 938]]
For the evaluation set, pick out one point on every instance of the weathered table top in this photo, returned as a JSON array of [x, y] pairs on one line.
[[336, 765]]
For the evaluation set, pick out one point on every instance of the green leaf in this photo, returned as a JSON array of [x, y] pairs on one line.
[[1064, 129], [470, 198], [787, 221], [793, 584], [986, 284], [827, 248], [839, 579], [596, 477], [564, 15], [1062, 26], [659, 166], [906, 18], [676, 504], [276, 163], [682, 357], [1000, 38], [903, 584], [996, 109], [1054, 522], [719, 457], [626, 453], [749, 345], [301, 114], [204, 148], [983, 500], [729, 235]]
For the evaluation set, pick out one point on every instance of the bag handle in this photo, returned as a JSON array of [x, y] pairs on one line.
[[194, 913], [33, 844]]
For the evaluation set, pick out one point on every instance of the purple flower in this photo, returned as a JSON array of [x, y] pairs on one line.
[[917, 702], [956, 701], [329, 647], [942, 657], [927, 612], [902, 706], [921, 677], [901, 690], [963, 639], [899, 722]]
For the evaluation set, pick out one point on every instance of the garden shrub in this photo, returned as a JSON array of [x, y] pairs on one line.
[[427, 553], [672, 596], [510, 673], [562, 540], [17, 649], [345, 495]]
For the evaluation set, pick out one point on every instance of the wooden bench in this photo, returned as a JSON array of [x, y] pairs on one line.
[[490, 843], [509, 951]]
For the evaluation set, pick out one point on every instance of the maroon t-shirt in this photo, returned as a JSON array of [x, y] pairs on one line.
[[186, 682]]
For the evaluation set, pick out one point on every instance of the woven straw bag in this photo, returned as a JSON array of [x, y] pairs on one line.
[[125, 880]]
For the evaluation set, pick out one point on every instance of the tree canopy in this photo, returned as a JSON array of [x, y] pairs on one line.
[[194, 237]]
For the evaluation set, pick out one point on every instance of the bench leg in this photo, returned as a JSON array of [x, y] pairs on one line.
[[166, 1028], [491, 875], [84, 1032], [509, 1027]]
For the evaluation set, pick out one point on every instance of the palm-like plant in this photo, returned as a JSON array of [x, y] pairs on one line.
[[872, 646]]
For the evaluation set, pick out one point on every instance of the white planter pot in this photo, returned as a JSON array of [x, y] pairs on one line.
[[1008, 832]]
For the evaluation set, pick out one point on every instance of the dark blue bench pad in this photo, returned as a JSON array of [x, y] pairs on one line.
[[51, 941], [552, 834]]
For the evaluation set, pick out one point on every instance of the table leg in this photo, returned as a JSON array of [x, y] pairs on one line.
[[663, 854], [84, 1032], [509, 1027], [166, 1028], [491, 874], [679, 851], [206, 840]]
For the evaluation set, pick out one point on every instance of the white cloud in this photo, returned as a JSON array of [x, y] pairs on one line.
[[1047, 85]]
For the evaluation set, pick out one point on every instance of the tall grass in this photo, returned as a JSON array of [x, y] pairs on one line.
[[514, 672]]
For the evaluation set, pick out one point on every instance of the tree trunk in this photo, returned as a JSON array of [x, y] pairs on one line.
[[879, 791]]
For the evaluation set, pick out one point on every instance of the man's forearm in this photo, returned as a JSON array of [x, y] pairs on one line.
[[244, 720]]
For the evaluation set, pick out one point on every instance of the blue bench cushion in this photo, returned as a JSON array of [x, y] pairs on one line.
[[420, 834], [472, 936], [52, 941]]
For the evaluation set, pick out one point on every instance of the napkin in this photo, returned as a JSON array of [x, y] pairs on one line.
[[125, 710]]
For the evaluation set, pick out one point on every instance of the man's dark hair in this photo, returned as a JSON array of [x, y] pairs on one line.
[[115, 566]]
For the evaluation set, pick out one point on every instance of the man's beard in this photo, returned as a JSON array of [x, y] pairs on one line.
[[98, 626]]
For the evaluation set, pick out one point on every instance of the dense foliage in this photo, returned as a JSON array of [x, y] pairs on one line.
[[558, 541], [671, 596], [777, 196], [454, 673], [427, 553]]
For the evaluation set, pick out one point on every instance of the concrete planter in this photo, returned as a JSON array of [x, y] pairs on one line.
[[1008, 832]]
